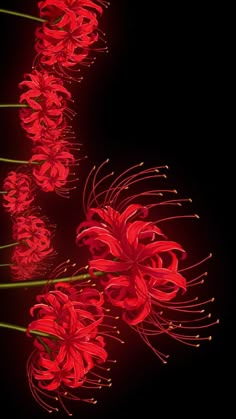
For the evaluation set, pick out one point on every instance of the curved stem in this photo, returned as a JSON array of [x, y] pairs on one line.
[[10, 12], [23, 329], [18, 161], [42, 282], [13, 105], [9, 245]]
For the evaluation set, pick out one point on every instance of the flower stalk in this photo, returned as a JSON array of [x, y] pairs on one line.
[[18, 161], [5, 246], [14, 105], [42, 282], [10, 12], [23, 329]]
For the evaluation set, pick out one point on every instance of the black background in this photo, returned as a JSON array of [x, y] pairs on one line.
[[157, 97]]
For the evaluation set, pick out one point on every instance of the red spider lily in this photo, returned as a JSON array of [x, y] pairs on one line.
[[69, 359], [34, 245], [141, 264], [47, 100], [18, 192], [71, 29], [52, 172], [22, 270]]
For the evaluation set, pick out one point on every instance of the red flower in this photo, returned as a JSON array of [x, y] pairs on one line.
[[18, 194], [70, 31], [52, 171], [140, 264], [47, 100], [74, 318], [34, 246]]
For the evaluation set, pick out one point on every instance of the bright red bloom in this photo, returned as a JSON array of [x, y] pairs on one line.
[[71, 29], [19, 192], [46, 98], [74, 318], [147, 264], [52, 171], [34, 245], [141, 268]]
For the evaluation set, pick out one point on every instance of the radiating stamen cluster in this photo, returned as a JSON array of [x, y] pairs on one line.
[[72, 357], [141, 266]]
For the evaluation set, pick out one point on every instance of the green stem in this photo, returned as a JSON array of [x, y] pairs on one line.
[[13, 105], [9, 245], [10, 12], [23, 329], [18, 161], [42, 282]]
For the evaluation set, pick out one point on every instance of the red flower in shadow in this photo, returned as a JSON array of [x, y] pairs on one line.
[[46, 98], [54, 161], [34, 245], [18, 192]]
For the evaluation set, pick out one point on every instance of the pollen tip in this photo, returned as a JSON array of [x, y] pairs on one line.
[[190, 200], [210, 338], [107, 160], [217, 321], [213, 299], [197, 346], [141, 164], [167, 167]]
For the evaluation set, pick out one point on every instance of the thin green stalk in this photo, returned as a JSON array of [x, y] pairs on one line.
[[23, 329], [10, 12], [9, 245], [42, 282], [13, 105], [18, 161]]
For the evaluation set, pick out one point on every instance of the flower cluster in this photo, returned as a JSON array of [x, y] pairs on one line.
[[135, 265], [33, 246], [69, 32], [18, 192], [73, 353]]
